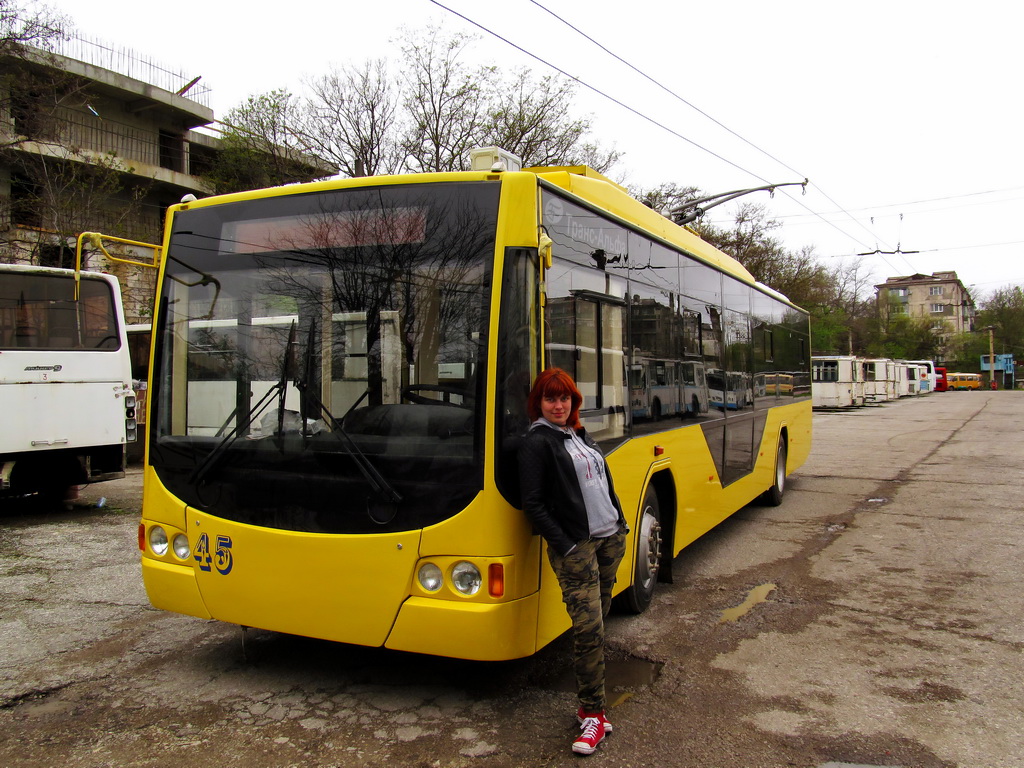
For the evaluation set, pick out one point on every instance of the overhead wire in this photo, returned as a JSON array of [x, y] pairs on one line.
[[716, 122], [658, 124], [596, 90], [665, 88]]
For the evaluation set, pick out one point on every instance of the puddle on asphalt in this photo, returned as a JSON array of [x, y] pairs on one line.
[[622, 678], [622, 674], [757, 595]]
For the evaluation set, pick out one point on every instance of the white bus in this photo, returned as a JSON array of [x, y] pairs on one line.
[[879, 380], [837, 381], [661, 388], [65, 380], [925, 375]]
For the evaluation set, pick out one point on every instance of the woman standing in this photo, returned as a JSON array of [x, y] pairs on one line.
[[568, 494]]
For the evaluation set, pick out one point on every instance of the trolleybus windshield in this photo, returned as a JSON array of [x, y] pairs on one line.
[[320, 357]]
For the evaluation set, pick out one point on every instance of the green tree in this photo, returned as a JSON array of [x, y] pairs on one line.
[[894, 333], [259, 147], [1004, 309], [964, 352]]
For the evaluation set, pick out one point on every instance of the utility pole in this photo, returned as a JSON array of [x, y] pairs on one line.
[[991, 357]]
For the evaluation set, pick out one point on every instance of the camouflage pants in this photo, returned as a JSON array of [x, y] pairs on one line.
[[586, 576]]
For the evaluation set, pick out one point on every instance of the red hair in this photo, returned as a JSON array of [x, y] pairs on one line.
[[554, 382]]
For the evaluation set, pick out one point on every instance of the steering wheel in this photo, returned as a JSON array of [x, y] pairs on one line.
[[411, 393]]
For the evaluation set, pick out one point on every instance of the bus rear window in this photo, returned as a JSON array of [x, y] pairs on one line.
[[39, 311]]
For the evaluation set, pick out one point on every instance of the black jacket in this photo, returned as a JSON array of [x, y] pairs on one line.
[[551, 493]]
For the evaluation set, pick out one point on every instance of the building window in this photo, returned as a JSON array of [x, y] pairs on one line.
[[172, 151], [55, 256], [899, 309], [935, 290], [31, 116], [25, 202], [938, 308]]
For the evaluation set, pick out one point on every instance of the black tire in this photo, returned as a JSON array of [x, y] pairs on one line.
[[773, 496], [637, 596]]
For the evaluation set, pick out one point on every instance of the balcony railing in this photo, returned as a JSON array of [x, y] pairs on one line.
[[131, 146], [130, 63]]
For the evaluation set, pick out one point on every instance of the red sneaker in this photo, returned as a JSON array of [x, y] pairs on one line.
[[580, 717], [592, 735]]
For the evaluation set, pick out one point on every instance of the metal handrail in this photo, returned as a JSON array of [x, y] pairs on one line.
[[96, 240]]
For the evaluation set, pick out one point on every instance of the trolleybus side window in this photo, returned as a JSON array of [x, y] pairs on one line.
[[584, 311]]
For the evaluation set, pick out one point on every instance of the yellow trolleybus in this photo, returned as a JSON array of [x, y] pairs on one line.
[[338, 387]]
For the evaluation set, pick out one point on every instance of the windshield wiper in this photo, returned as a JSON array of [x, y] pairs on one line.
[[279, 389], [377, 482]]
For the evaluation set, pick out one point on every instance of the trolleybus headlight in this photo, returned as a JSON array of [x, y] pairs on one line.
[[466, 578], [180, 544], [158, 540], [430, 577]]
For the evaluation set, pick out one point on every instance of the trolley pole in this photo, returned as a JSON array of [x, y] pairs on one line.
[[991, 357]]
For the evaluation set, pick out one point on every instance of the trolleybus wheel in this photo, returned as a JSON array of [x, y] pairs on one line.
[[773, 496], [637, 596]]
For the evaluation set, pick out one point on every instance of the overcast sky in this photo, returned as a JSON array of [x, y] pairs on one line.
[[906, 116]]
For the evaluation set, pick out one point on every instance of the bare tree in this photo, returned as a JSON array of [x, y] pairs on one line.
[[665, 198], [33, 84], [445, 101], [67, 191], [426, 117], [21, 27], [352, 119], [529, 118]]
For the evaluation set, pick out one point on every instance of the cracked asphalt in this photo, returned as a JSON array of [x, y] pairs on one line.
[[877, 619]]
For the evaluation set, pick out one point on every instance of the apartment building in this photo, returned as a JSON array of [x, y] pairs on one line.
[[98, 138], [939, 297]]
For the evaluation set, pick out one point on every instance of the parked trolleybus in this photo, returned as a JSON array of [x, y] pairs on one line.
[[663, 388], [338, 387], [836, 381], [65, 380], [879, 380], [926, 375]]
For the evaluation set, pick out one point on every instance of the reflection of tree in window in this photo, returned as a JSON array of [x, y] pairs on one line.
[[375, 263]]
